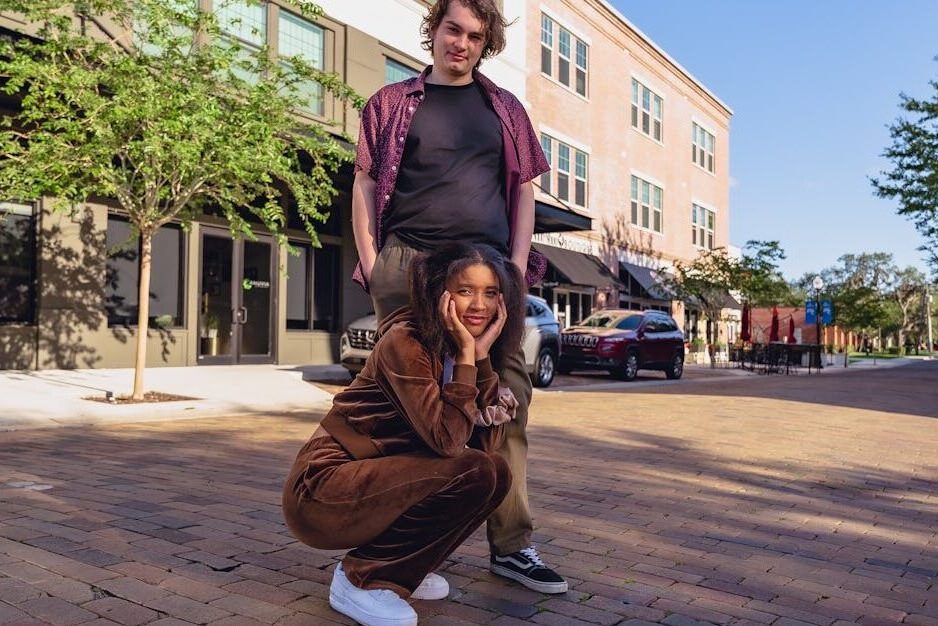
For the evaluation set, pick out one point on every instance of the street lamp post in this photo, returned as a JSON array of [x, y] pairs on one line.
[[818, 284], [928, 300]]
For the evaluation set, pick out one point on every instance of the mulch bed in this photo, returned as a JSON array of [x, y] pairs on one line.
[[149, 396]]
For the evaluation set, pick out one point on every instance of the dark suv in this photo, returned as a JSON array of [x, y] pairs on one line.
[[624, 342]]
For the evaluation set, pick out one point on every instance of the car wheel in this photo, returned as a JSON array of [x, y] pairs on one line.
[[676, 367], [544, 368], [629, 368]]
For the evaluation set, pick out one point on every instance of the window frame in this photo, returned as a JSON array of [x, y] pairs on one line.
[[640, 94], [179, 321], [646, 205], [551, 36], [707, 151], [553, 148], [703, 225], [32, 253]]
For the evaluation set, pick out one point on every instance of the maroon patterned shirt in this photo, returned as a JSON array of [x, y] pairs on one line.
[[385, 121]]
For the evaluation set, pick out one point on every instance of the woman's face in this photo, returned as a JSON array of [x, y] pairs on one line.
[[475, 293]]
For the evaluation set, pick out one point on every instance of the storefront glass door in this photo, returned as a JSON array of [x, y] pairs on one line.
[[236, 302]]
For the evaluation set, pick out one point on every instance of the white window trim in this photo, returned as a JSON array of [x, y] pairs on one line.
[[648, 178], [697, 227], [556, 134], [653, 85], [704, 205], [638, 129], [704, 125], [694, 161], [576, 31], [656, 183], [574, 147], [571, 59]]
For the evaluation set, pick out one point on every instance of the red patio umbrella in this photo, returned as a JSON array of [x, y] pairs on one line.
[[773, 333], [745, 332], [791, 330]]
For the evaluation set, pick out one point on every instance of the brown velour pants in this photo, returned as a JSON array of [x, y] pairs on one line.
[[401, 514], [510, 526]]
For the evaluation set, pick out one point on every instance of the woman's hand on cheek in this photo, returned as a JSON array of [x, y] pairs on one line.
[[465, 342], [487, 339]]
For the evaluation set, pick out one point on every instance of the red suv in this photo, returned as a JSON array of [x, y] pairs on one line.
[[623, 342]]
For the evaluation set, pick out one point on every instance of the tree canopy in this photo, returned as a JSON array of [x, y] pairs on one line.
[[157, 106], [913, 179]]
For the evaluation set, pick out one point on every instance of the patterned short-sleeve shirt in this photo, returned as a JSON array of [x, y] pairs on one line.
[[385, 121]]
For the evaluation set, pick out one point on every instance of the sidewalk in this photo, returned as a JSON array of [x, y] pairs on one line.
[[780, 500], [48, 398]]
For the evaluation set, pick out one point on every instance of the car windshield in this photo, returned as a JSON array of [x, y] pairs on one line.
[[606, 320]]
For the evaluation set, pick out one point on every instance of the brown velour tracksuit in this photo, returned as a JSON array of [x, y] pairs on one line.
[[397, 470]]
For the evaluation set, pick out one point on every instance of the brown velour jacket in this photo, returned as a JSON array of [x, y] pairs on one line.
[[397, 405]]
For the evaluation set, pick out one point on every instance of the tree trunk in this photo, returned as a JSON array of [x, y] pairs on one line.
[[143, 313], [712, 335]]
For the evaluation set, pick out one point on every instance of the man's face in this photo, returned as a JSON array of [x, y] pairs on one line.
[[458, 41]]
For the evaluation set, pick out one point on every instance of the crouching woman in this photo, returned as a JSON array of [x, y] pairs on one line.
[[403, 468]]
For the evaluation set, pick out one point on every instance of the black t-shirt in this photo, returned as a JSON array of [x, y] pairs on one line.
[[450, 186]]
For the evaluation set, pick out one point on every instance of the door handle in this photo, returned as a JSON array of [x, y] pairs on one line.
[[241, 315]]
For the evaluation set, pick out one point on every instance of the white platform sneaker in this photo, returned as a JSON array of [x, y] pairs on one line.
[[432, 587], [370, 607]]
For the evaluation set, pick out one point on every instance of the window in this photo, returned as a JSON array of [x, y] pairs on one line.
[[646, 111], [17, 263], [570, 165], [568, 61], [312, 295], [701, 225], [546, 145], [245, 25], [167, 279], [395, 72], [547, 44], [702, 143], [303, 39], [646, 206]]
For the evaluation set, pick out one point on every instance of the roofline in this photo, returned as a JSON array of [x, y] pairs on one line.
[[615, 13]]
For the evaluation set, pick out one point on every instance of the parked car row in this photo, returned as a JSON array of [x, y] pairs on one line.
[[619, 341]]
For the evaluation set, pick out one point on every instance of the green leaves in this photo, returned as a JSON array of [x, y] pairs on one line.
[[913, 179], [161, 117]]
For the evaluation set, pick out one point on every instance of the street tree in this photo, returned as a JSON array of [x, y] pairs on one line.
[[913, 179], [150, 104], [706, 282], [907, 289]]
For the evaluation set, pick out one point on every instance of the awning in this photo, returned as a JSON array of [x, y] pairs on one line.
[[647, 278], [578, 268], [555, 218]]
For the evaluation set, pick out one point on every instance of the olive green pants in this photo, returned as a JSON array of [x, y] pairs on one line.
[[509, 527]]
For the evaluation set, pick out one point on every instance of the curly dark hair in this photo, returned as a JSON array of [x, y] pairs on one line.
[[429, 273], [494, 24]]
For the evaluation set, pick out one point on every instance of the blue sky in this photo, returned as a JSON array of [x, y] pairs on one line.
[[813, 85]]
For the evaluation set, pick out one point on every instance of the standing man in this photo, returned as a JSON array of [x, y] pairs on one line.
[[449, 156]]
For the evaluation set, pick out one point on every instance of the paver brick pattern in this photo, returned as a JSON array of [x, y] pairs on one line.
[[762, 500]]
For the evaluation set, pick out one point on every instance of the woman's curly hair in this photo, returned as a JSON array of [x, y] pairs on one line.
[[493, 23], [429, 273]]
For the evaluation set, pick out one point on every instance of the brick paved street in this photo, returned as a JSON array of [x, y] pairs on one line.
[[746, 500]]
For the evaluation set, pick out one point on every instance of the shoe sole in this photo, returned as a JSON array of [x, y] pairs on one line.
[[338, 604], [536, 585], [440, 595]]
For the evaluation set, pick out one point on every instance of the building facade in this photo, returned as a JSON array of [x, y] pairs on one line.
[[636, 144], [68, 282]]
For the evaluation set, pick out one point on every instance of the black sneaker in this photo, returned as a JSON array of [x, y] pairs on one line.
[[527, 568]]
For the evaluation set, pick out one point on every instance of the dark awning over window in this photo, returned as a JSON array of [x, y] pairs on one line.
[[555, 218], [578, 268], [647, 278]]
